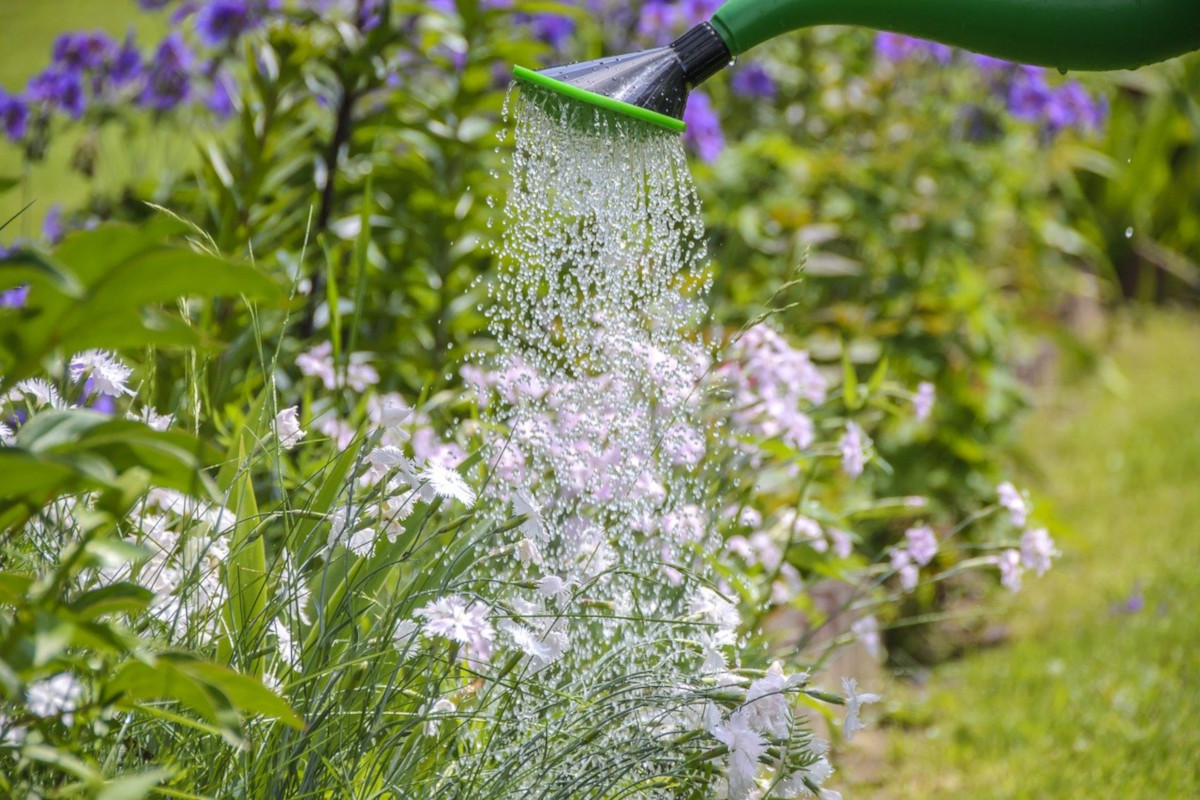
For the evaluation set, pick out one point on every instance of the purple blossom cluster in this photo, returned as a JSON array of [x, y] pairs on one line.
[[1027, 93], [772, 384], [92, 68]]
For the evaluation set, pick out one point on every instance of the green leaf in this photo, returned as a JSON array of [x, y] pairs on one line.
[[247, 693], [103, 288], [132, 787], [69, 450], [13, 586], [117, 598], [211, 690]]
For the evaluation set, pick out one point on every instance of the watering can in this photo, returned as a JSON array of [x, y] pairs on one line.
[[653, 85]]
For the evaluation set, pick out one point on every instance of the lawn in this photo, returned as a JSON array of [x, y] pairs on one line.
[[1096, 696]]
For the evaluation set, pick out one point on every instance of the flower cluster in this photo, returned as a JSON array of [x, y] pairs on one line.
[[1036, 549], [1027, 93]]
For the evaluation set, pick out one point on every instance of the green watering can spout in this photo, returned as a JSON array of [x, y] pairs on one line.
[[1066, 34]]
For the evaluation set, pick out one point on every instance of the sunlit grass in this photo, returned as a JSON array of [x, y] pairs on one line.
[[1096, 696]]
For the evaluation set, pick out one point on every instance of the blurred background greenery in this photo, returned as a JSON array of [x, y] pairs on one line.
[[967, 247]]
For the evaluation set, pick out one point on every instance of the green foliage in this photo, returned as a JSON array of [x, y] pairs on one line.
[[1094, 697], [104, 289]]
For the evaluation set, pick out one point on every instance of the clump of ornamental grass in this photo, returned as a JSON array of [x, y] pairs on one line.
[[414, 631]]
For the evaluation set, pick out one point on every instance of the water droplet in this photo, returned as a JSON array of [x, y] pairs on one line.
[[1129, 232]]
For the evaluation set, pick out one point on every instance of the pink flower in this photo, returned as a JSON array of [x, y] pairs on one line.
[[922, 544], [451, 618], [923, 400]]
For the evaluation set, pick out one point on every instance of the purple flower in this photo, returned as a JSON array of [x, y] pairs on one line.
[[693, 12], [658, 21], [754, 81], [62, 90], [16, 297], [222, 22], [168, 82], [127, 64], [990, 64], [1028, 94], [370, 15], [553, 29], [219, 100], [52, 227], [894, 47], [14, 116], [83, 51], [703, 134], [1071, 106]]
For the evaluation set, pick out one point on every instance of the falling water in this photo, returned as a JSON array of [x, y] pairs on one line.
[[593, 403], [596, 311]]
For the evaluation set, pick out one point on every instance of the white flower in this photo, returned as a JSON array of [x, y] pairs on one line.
[[1011, 499], [796, 784], [382, 460], [151, 418], [432, 723], [10, 735], [854, 701], [288, 649], [552, 586], [746, 746], [528, 553], [287, 427], [294, 588], [923, 400], [317, 362], [341, 532], [56, 696], [711, 643], [451, 618], [108, 374], [713, 608], [41, 390], [542, 649], [853, 447], [767, 707], [1037, 548], [908, 571], [922, 544], [360, 375], [442, 481], [388, 411], [404, 633], [7, 436], [1009, 563], [533, 527]]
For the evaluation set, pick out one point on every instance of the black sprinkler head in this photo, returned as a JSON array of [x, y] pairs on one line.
[[652, 85]]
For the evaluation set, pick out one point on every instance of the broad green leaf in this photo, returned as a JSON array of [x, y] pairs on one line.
[[24, 475], [117, 598], [246, 692], [26, 266], [13, 586]]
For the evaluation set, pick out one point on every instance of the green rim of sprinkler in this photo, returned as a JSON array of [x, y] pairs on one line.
[[592, 98], [653, 85]]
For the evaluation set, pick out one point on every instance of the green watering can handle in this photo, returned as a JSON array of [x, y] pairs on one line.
[[1067, 34]]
